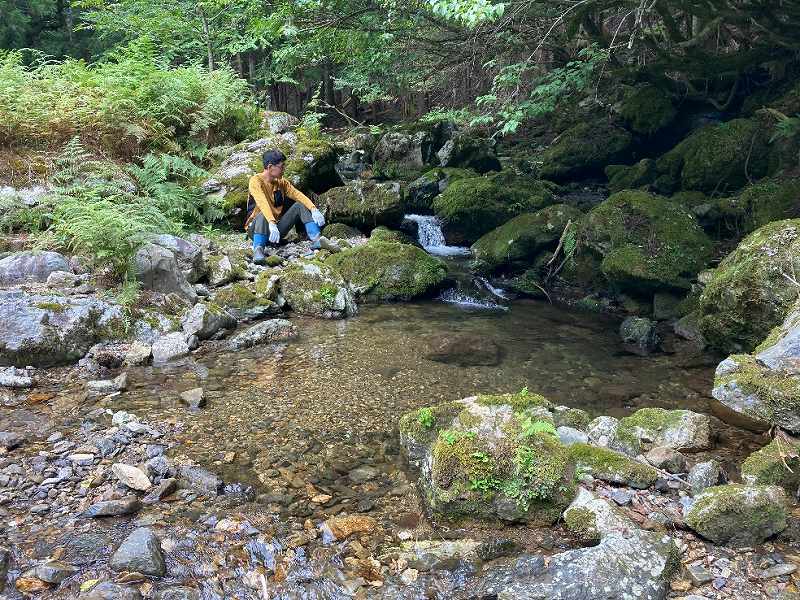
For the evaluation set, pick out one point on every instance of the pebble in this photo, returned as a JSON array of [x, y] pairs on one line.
[[622, 497], [778, 570], [10, 440], [699, 574], [39, 509], [131, 477], [81, 459], [113, 508]]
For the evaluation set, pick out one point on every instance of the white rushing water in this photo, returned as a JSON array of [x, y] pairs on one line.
[[431, 238]]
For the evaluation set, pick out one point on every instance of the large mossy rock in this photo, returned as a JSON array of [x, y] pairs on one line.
[[491, 457], [516, 243], [383, 271], [769, 200], [717, 157], [469, 152], [421, 192], [765, 386], [739, 515], [645, 243], [777, 463], [749, 293], [47, 331], [624, 177], [471, 207], [317, 290], [613, 467], [364, 204], [584, 150], [647, 109]]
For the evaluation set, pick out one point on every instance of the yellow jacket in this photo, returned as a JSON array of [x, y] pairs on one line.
[[263, 192]]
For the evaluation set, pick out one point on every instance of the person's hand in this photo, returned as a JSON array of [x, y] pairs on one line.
[[274, 234], [318, 217]]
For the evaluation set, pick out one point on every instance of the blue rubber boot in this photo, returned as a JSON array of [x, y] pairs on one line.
[[259, 243], [313, 232]]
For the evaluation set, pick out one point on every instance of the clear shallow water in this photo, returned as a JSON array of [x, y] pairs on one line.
[[341, 386]]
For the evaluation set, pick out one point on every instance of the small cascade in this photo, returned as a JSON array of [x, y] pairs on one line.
[[431, 237]]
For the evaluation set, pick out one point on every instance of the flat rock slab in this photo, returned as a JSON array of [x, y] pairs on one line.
[[131, 477], [113, 508]]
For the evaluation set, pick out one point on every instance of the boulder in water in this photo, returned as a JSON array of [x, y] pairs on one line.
[[317, 290], [422, 191], [266, 332], [490, 457], [364, 204], [387, 271], [639, 336], [777, 463]]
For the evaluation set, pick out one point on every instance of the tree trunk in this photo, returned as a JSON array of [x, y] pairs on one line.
[[207, 35]]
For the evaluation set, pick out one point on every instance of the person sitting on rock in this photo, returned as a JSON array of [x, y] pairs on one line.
[[267, 220]]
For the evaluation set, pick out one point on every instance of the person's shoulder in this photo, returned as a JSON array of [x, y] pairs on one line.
[[284, 183]]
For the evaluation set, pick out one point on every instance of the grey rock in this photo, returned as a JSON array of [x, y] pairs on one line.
[[159, 467], [85, 548], [47, 331], [639, 336], [113, 508], [205, 321], [170, 347], [465, 151], [739, 515], [699, 574], [604, 432], [779, 570], [200, 479], [667, 459], [401, 149], [107, 386], [140, 552], [157, 269], [189, 257], [266, 332], [223, 271], [363, 474], [628, 563], [705, 475], [687, 327], [161, 491], [138, 354], [569, 436], [131, 477], [5, 562], [15, 378], [10, 440], [178, 593], [279, 122], [193, 398], [621, 497], [111, 591], [31, 267], [62, 279], [53, 572]]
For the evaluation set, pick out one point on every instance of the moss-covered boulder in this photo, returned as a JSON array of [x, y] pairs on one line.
[[241, 300], [386, 271], [384, 234], [777, 463], [756, 205], [364, 204], [765, 386], [613, 467], [316, 289], [645, 243], [584, 150], [491, 457], [749, 293], [341, 231], [677, 429], [516, 243], [471, 207], [624, 177], [467, 151], [717, 157], [739, 515], [647, 109], [311, 163], [421, 192]]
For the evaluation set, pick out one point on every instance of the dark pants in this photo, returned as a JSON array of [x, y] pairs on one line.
[[296, 215]]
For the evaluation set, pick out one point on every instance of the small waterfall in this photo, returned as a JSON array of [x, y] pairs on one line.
[[430, 237]]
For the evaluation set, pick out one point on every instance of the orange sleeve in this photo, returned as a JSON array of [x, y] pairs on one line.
[[297, 195], [257, 192]]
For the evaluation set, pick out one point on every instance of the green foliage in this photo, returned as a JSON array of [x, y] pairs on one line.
[[127, 102], [452, 436], [468, 12], [532, 427], [425, 417]]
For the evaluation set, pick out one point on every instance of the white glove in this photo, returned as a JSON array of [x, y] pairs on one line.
[[319, 219], [274, 234]]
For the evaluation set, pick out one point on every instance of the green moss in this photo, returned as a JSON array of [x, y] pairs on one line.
[[585, 149], [761, 203], [583, 523], [777, 463], [539, 472], [382, 234], [341, 231], [51, 307], [652, 419], [442, 415], [473, 206], [572, 417], [237, 295], [520, 402], [645, 242], [364, 205], [778, 392], [387, 271], [738, 515], [748, 295], [517, 242], [613, 467], [719, 157], [623, 177], [311, 164], [648, 109]]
